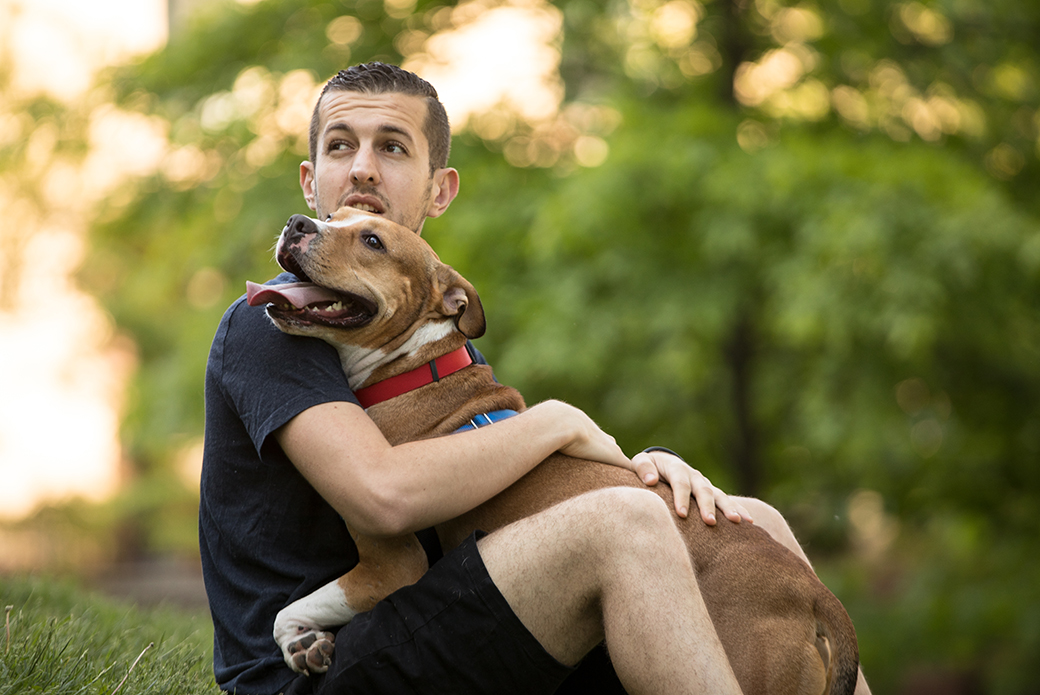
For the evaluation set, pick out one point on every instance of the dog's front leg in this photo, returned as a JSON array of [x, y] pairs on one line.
[[299, 628], [384, 566]]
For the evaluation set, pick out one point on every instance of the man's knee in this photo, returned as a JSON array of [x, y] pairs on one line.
[[633, 505], [625, 516], [603, 527]]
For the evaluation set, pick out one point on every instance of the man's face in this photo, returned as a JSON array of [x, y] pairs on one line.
[[373, 155]]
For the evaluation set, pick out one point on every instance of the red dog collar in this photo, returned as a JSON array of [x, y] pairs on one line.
[[409, 381]]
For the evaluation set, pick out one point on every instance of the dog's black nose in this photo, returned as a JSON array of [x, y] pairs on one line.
[[299, 226]]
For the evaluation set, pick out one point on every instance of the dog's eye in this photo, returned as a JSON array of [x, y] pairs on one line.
[[372, 242]]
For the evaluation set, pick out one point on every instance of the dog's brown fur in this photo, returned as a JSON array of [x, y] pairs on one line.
[[782, 630]]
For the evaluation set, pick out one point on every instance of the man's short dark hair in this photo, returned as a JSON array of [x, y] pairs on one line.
[[380, 78]]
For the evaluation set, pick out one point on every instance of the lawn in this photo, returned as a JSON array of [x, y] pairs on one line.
[[59, 639]]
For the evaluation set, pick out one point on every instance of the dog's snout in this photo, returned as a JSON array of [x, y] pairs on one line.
[[299, 226]]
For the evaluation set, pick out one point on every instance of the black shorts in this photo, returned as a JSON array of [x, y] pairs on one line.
[[452, 632]]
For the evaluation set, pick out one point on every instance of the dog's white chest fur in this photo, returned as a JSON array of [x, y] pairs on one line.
[[359, 363]]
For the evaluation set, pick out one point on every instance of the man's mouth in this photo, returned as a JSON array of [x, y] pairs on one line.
[[366, 202], [364, 207]]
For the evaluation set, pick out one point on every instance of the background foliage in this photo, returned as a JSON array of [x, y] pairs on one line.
[[807, 257]]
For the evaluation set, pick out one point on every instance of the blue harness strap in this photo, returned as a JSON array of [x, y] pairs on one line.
[[485, 419]]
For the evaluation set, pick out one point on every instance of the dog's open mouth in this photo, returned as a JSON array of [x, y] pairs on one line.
[[307, 303]]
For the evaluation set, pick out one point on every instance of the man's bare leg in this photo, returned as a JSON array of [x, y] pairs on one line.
[[611, 564], [776, 526]]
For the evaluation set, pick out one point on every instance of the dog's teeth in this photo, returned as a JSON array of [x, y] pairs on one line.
[[330, 309]]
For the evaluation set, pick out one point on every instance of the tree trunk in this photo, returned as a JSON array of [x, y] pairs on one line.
[[740, 354], [734, 46]]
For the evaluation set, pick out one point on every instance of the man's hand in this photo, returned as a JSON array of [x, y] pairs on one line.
[[654, 466], [584, 438]]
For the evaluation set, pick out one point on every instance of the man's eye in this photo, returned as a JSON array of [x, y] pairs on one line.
[[372, 241], [396, 148], [337, 146]]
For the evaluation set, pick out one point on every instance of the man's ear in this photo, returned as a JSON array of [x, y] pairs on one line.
[[445, 188], [459, 299], [307, 184]]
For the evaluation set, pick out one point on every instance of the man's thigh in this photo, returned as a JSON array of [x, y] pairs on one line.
[[451, 632], [554, 567]]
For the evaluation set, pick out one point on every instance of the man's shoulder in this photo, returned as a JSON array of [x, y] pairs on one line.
[[241, 306], [245, 322], [247, 342]]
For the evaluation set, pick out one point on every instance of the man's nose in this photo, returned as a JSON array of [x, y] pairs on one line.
[[364, 169]]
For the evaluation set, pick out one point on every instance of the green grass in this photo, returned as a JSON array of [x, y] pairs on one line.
[[64, 640]]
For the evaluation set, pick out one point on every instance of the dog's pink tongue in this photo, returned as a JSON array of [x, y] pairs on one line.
[[299, 294]]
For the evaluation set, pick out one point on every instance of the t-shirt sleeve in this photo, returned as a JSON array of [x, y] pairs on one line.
[[268, 377]]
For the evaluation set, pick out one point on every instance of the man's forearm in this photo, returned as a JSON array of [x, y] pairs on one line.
[[439, 479], [385, 490]]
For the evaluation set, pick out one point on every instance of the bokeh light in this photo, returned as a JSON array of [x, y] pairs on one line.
[[65, 368]]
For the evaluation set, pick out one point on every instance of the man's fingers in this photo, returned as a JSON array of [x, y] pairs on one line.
[[687, 482], [681, 490], [734, 511], [704, 493], [730, 508], [646, 469]]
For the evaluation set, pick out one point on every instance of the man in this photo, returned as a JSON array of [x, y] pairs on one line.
[[289, 452]]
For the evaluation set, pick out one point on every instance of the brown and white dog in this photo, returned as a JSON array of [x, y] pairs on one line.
[[378, 293]]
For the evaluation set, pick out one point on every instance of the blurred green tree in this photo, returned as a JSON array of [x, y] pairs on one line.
[[796, 242]]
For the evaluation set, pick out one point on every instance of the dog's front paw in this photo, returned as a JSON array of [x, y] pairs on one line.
[[310, 653]]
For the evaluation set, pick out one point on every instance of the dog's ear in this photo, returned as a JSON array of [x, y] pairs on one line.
[[459, 299]]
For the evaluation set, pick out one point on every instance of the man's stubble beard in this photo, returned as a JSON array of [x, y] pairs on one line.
[[414, 225]]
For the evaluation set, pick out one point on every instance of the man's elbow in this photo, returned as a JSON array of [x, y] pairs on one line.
[[381, 515]]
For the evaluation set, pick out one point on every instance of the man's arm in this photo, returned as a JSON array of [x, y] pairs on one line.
[[381, 489]]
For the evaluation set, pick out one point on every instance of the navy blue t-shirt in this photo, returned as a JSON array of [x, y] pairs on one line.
[[266, 537]]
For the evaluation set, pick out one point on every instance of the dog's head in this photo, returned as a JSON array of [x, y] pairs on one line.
[[365, 282]]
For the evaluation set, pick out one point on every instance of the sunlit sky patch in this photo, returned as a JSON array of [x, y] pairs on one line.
[[499, 56]]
